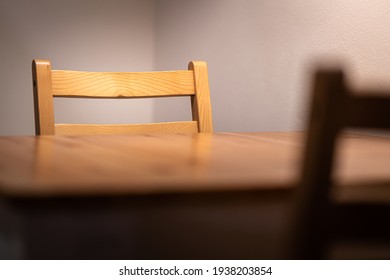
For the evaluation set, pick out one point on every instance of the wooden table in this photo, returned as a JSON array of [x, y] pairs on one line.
[[222, 195], [139, 164]]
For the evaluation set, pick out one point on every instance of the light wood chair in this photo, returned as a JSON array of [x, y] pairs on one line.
[[50, 83], [323, 220]]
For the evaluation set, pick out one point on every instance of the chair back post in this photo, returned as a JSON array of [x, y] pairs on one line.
[[200, 102], [43, 97], [328, 98]]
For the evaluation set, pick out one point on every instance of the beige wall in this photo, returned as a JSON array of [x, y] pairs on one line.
[[260, 53], [79, 34]]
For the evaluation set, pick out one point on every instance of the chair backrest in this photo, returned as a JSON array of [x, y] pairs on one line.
[[50, 83], [335, 106]]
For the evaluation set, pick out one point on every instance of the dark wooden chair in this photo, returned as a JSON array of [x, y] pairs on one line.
[[325, 221]]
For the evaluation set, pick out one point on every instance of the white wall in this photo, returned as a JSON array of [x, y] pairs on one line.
[[261, 52], [74, 34]]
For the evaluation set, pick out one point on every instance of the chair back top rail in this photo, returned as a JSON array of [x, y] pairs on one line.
[[126, 84]]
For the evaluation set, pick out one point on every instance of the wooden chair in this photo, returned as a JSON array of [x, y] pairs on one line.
[[50, 83], [324, 220]]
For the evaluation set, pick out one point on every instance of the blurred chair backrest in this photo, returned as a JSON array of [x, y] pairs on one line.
[[50, 83], [335, 106]]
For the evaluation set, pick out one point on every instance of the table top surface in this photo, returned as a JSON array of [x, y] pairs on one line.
[[143, 164]]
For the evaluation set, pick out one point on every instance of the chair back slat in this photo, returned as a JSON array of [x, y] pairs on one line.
[[89, 129]]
